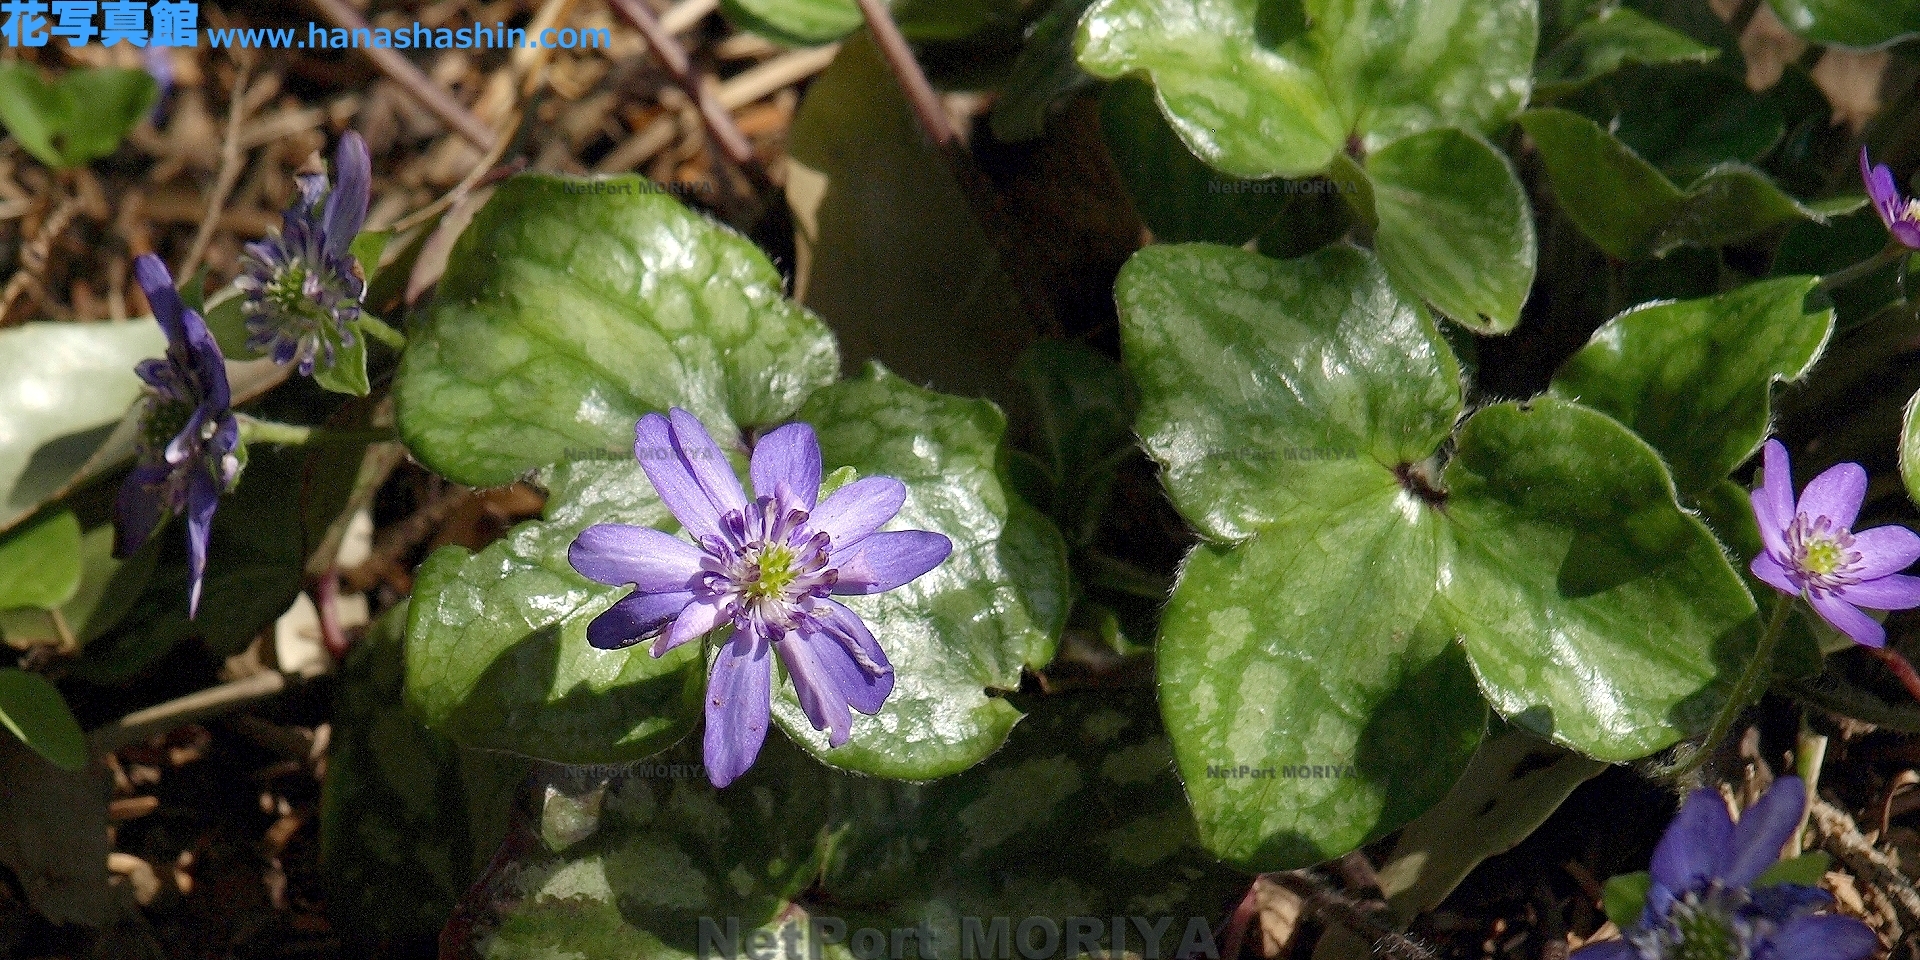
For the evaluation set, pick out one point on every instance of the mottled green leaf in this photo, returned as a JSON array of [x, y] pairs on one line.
[[1177, 196], [65, 388], [1613, 38], [1695, 378], [1277, 89], [40, 562], [32, 710], [572, 307], [966, 630], [78, 117], [1851, 23], [1454, 226]]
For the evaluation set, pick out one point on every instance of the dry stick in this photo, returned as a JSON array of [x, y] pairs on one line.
[[1337, 907], [417, 85], [719, 123], [1837, 834], [232, 161], [193, 707]]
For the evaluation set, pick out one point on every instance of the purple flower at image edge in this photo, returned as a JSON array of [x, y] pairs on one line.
[[767, 569], [1901, 214], [303, 286], [1702, 902], [1811, 550], [188, 446]]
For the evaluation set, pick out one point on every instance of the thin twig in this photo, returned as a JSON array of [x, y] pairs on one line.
[[1837, 834], [416, 84], [232, 162], [775, 74], [192, 708], [719, 123], [33, 258], [906, 70], [1333, 905]]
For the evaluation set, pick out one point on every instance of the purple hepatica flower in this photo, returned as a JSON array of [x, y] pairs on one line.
[[303, 286], [189, 444], [1900, 214], [767, 568], [1812, 551], [1702, 903]]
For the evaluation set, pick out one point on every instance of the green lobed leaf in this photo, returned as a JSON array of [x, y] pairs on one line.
[[1695, 378], [1632, 211], [1613, 38], [1454, 226], [572, 307], [32, 710], [40, 562], [1083, 405], [1277, 89], [965, 630], [107, 590], [1296, 406], [1850, 23], [66, 387], [1625, 896], [80, 116], [1177, 196], [1806, 870], [1686, 119]]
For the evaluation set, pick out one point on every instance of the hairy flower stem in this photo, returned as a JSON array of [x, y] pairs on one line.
[[377, 328], [1893, 252], [1746, 688], [255, 430]]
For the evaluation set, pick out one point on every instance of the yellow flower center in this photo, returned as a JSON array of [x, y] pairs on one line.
[[1822, 557], [776, 572]]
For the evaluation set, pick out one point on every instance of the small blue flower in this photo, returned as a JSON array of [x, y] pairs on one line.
[[765, 569], [303, 286], [189, 444], [1702, 905]]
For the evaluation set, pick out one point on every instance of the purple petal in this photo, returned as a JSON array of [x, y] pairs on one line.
[[1892, 592], [706, 462], [157, 284], [866, 689], [883, 561], [347, 204], [789, 455], [1885, 550], [1773, 502], [1907, 232], [1845, 618], [1836, 494], [818, 686], [859, 508], [1824, 938], [653, 446], [1763, 830], [1695, 845], [1768, 569], [138, 509], [636, 617], [206, 360], [699, 618], [617, 553], [1608, 950], [737, 707], [203, 495], [1881, 189]]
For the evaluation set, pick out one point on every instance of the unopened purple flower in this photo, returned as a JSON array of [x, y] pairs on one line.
[[1702, 903], [1901, 214], [303, 286], [1811, 550], [766, 569], [189, 444]]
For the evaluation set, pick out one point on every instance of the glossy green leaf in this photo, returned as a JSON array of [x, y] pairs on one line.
[[80, 116], [1613, 38], [1278, 89], [1686, 119], [1044, 74], [65, 387], [1083, 405], [1625, 896], [32, 710], [1850, 23], [1695, 378], [887, 249], [1454, 226], [1806, 870], [1296, 406], [1177, 196], [107, 590], [497, 652], [967, 629], [40, 562], [1631, 210], [1596, 612], [564, 316], [348, 372]]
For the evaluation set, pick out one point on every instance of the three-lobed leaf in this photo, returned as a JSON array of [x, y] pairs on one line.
[[32, 710], [1850, 23], [1613, 38], [40, 562], [78, 117]]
